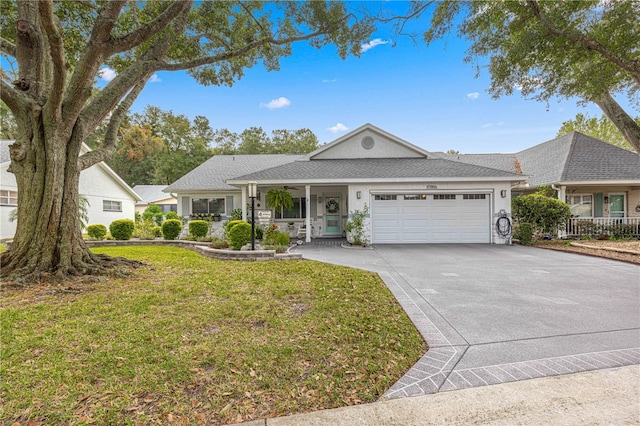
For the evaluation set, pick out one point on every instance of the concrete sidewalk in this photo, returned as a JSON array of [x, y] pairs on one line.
[[610, 397]]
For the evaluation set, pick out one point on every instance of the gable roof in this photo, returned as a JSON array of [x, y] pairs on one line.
[[575, 158], [213, 173], [370, 128], [368, 169], [506, 162], [151, 193], [5, 158]]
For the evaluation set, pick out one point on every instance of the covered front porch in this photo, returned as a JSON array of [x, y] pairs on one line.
[[318, 211]]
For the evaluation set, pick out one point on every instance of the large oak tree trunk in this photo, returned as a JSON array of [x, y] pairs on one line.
[[623, 121], [48, 239]]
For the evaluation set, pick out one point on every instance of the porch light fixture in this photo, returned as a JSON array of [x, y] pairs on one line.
[[606, 200], [503, 193], [253, 190], [359, 195]]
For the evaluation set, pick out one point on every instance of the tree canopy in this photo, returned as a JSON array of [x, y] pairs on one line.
[[598, 127], [52, 53], [585, 49]]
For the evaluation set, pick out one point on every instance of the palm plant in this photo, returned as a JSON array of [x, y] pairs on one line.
[[278, 199]]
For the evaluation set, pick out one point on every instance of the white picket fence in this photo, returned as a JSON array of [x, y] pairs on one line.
[[617, 227]]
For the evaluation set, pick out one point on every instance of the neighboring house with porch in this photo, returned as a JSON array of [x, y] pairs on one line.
[[109, 197], [153, 194], [599, 181], [413, 196]]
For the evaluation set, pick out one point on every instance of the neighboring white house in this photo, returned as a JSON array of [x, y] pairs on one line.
[[413, 196], [152, 194], [109, 197]]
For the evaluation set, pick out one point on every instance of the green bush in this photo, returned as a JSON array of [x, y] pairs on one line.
[[230, 224], [219, 243], [122, 229], [239, 234], [259, 232], [277, 248], [198, 228], [97, 231], [236, 214], [145, 229], [153, 212], [526, 233], [544, 213], [277, 238], [171, 215], [157, 231], [171, 229]]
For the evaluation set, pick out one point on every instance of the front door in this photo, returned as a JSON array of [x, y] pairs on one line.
[[616, 205], [332, 216]]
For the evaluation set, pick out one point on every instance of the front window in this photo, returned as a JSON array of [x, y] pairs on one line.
[[207, 205], [581, 205], [298, 211], [8, 198], [111, 206]]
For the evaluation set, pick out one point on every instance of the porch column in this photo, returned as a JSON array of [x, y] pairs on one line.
[[562, 196], [244, 203], [307, 216]]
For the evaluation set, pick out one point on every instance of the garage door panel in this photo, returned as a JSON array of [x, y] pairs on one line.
[[454, 220]]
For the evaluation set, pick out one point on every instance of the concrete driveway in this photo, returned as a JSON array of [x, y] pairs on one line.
[[494, 314]]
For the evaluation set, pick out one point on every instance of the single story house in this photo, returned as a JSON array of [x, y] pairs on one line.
[[413, 196], [152, 194], [109, 197], [599, 181]]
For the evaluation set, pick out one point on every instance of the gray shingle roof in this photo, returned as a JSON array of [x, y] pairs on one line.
[[4, 150], [494, 161], [378, 168], [578, 157], [151, 193], [212, 174]]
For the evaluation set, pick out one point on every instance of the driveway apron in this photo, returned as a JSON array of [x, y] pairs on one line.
[[497, 313]]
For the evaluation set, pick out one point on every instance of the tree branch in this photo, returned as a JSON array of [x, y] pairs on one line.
[[109, 145], [148, 30], [7, 47], [13, 98], [56, 52], [623, 121], [629, 65]]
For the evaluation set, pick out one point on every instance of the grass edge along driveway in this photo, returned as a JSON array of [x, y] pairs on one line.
[[192, 340]]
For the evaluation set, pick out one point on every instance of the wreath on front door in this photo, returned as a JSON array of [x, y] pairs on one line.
[[332, 206]]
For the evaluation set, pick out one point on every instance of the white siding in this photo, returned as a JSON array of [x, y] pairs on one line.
[[382, 148]]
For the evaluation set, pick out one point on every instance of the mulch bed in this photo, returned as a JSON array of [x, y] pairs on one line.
[[630, 250]]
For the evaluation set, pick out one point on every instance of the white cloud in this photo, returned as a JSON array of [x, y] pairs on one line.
[[154, 79], [280, 102], [107, 73], [330, 81], [339, 127], [373, 43], [487, 125], [473, 96]]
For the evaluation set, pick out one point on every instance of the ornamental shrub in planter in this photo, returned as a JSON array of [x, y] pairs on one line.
[[277, 238], [97, 232], [171, 229], [122, 229], [230, 224], [239, 235], [198, 228]]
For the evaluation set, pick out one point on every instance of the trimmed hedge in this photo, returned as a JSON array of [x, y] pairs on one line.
[[122, 229], [97, 231], [232, 223], [171, 229], [239, 234], [198, 228]]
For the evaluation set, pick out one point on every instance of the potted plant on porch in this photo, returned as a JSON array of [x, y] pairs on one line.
[[279, 199]]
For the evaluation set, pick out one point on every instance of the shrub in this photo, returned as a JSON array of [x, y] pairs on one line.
[[271, 228], [171, 229], [526, 233], [198, 228], [154, 213], [157, 231], [219, 243], [230, 224], [355, 225], [171, 215], [542, 212], [239, 235], [145, 230], [236, 214], [259, 232], [122, 229], [277, 238], [277, 248], [97, 231]]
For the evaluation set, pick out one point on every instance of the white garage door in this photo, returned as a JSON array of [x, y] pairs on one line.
[[430, 218]]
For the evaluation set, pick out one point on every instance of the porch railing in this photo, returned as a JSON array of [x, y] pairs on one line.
[[619, 227]]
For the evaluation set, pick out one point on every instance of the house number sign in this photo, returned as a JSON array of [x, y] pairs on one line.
[[432, 186]]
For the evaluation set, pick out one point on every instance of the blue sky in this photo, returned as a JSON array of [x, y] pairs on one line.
[[427, 96]]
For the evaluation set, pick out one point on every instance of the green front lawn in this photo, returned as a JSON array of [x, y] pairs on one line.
[[191, 340]]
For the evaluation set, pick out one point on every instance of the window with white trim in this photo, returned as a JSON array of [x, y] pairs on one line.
[[8, 198], [581, 205], [207, 206], [298, 211], [111, 206]]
